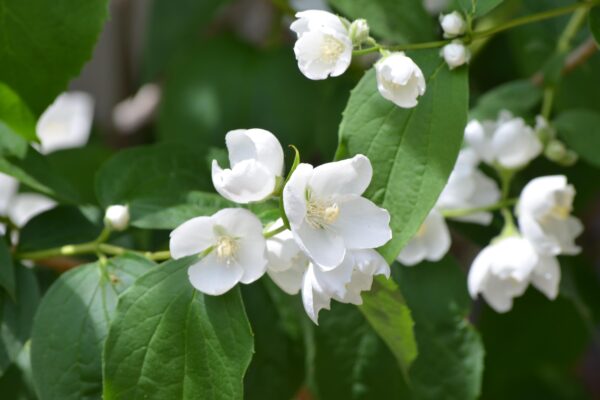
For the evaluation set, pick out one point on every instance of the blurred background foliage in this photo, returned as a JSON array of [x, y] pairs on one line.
[[224, 65]]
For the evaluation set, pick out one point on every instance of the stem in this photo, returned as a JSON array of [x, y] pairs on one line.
[[528, 19], [461, 212], [274, 232]]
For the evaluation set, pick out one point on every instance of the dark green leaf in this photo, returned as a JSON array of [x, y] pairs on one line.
[[7, 270], [34, 171], [17, 316], [155, 181], [172, 25], [76, 226], [450, 361], [351, 361], [277, 368], [169, 341], [595, 23], [412, 150], [580, 129], [72, 323], [387, 312], [44, 44], [17, 124], [518, 97], [397, 21], [478, 8]]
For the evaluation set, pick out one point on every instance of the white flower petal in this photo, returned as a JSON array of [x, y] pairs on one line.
[[248, 181], [436, 237], [294, 194], [515, 144], [351, 176], [546, 276], [324, 247], [313, 297], [400, 80], [8, 188], [213, 277], [413, 253], [362, 224], [192, 237], [25, 206], [289, 280], [255, 144]]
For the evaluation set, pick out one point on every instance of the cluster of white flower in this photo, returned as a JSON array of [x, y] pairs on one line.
[[504, 269], [65, 124], [326, 41], [328, 251]]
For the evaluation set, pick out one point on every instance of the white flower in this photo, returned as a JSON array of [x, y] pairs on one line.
[[509, 142], [24, 206], [431, 242], [327, 213], [117, 217], [434, 7], [343, 283], [455, 54], [256, 160], [324, 47], [544, 212], [453, 24], [504, 269], [468, 187], [233, 237], [134, 112], [66, 123], [400, 80]]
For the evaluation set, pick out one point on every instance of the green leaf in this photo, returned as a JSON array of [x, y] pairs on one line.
[[169, 341], [155, 181], [386, 310], [350, 360], [518, 97], [477, 8], [595, 23], [277, 368], [16, 317], [76, 226], [398, 21], [450, 360], [72, 323], [45, 44], [35, 171], [7, 270], [173, 24], [17, 124], [580, 129], [412, 150]]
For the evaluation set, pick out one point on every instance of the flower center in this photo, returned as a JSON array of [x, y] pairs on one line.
[[226, 247], [331, 49], [321, 213], [561, 211]]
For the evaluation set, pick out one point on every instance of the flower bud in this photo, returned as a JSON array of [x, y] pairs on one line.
[[359, 31], [453, 24], [455, 54], [117, 217], [557, 151], [400, 80]]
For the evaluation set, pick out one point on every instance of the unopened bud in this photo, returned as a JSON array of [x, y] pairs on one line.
[[359, 31], [557, 151], [117, 217], [453, 24]]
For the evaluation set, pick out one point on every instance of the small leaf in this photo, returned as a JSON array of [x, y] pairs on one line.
[[450, 360], [16, 316], [595, 23], [72, 323], [169, 341], [7, 270], [44, 44], [580, 129], [398, 21], [387, 312], [412, 150], [518, 97]]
